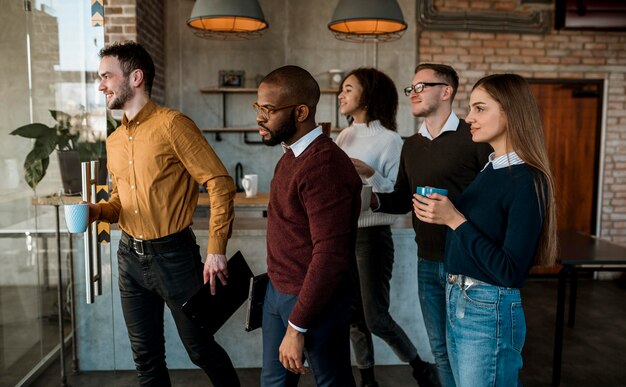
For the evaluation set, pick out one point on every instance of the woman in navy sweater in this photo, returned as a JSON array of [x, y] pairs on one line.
[[501, 225]]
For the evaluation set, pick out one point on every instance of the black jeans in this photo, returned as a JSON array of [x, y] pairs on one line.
[[169, 275]]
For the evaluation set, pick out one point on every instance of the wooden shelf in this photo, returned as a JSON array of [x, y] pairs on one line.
[[223, 91], [243, 90], [230, 130], [244, 130]]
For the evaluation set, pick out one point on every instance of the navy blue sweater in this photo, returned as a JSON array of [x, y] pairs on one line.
[[497, 244]]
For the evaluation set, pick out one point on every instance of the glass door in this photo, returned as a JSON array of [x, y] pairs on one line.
[[49, 60]]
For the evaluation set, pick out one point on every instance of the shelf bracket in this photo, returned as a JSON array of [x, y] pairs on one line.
[[250, 142]]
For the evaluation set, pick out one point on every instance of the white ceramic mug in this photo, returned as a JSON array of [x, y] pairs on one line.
[[250, 184], [366, 197], [76, 217]]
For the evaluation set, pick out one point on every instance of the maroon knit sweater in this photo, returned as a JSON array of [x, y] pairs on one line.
[[311, 226]]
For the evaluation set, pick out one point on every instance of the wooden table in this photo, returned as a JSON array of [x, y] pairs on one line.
[[579, 252], [260, 200]]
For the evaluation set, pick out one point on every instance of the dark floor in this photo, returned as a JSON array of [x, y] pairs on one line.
[[593, 352]]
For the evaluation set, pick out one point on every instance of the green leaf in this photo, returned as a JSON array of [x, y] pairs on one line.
[[44, 146], [60, 117], [35, 168], [36, 130]]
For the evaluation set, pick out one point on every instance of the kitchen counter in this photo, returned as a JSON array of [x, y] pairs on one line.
[[250, 213], [241, 200]]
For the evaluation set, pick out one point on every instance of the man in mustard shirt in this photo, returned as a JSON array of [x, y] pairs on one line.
[[156, 159]]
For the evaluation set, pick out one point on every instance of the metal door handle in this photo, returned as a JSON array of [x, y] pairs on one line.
[[93, 266]]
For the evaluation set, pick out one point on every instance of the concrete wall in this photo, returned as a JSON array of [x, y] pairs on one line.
[[297, 35]]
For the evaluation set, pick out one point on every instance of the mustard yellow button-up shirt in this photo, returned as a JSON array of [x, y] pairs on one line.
[[156, 161]]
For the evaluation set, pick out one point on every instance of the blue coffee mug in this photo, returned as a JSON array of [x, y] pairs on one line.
[[424, 191]]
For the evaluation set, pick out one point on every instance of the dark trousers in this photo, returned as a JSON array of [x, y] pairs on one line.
[[171, 275], [374, 257], [326, 345]]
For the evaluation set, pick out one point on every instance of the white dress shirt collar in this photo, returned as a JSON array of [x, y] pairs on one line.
[[450, 126], [300, 146], [503, 161]]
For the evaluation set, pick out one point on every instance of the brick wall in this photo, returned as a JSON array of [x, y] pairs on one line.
[[559, 54], [150, 34], [141, 21]]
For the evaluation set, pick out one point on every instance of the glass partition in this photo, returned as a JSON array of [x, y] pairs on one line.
[[49, 61]]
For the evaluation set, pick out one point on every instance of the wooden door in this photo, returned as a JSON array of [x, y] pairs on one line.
[[571, 118]]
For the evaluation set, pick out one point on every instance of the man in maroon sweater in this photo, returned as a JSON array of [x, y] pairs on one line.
[[311, 232]]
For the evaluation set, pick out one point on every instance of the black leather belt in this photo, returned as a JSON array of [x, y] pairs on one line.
[[165, 244]]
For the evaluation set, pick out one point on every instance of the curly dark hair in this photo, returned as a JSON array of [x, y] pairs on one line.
[[132, 56], [379, 98]]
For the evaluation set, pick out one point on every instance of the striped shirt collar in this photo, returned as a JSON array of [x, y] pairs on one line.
[[450, 126], [300, 146], [503, 161]]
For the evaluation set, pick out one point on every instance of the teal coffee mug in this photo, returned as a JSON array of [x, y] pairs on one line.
[[425, 191], [76, 217]]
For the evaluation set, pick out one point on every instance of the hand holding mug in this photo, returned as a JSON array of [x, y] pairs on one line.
[[76, 217], [430, 205]]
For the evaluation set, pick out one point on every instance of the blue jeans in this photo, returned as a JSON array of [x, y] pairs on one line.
[[486, 333], [374, 258], [431, 280], [326, 345], [149, 281]]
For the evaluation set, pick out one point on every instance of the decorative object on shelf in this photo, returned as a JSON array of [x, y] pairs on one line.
[[227, 20], [229, 78], [367, 21], [335, 78], [73, 137]]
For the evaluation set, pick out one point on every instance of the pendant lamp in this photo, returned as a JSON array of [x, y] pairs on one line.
[[367, 21], [227, 19]]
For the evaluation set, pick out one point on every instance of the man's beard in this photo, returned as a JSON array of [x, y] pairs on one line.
[[427, 111], [123, 95], [284, 132]]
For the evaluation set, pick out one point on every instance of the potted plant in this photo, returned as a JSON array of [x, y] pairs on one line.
[[64, 136]]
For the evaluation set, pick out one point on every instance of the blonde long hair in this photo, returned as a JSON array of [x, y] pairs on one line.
[[525, 133]]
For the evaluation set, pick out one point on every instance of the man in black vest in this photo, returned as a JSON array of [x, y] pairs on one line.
[[440, 155]]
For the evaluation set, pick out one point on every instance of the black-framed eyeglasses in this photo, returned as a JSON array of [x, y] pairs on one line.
[[419, 87], [267, 111]]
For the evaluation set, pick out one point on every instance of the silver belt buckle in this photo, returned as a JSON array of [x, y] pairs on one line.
[[138, 246]]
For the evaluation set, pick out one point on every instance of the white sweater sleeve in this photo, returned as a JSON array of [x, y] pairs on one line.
[[386, 172]]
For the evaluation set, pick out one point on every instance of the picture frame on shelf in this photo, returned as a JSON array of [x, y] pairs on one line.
[[231, 78]]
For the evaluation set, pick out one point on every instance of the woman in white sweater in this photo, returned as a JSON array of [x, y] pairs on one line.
[[369, 100]]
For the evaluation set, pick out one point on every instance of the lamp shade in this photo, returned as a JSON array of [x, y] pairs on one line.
[[227, 19], [379, 20]]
